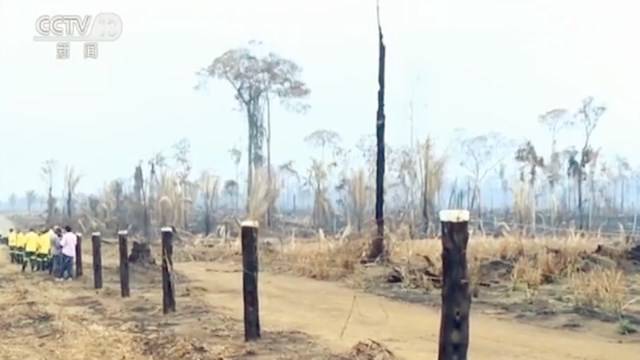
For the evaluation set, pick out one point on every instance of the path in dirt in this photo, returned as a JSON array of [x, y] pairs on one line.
[[411, 331]]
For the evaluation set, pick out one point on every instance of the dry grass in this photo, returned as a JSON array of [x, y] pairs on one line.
[[569, 263], [535, 261], [604, 289], [369, 350], [320, 261]]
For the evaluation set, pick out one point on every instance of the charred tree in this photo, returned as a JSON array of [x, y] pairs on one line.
[[377, 250], [141, 199], [425, 193], [141, 254]]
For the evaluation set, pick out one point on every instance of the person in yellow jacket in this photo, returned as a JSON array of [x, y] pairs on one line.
[[30, 248], [20, 241], [12, 245], [44, 247]]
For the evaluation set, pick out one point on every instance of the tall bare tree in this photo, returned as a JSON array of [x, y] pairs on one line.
[[377, 250], [156, 164], [30, 197], [47, 172], [324, 139], [140, 197], [115, 193], [71, 180], [482, 154], [209, 192], [317, 180], [13, 199], [236, 157], [554, 120], [287, 172], [531, 162], [231, 190], [255, 80], [587, 116], [623, 173], [432, 178], [183, 169], [319, 175]]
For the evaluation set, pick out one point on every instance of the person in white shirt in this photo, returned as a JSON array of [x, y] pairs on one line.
[[68, 244]]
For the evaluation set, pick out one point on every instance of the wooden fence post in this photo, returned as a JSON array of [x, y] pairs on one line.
[[168, 290], [249, 234], [124, 263], [79, 255], [456, 299], [97, 260]]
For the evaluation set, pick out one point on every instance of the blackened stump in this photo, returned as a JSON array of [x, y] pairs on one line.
[[456, 299], [79, 255], [124, 263], [168, 290], [141, 254], [97, 260], [250, 280]]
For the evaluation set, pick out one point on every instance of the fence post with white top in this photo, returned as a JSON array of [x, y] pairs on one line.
[[249, 234], [456, 299], [168, 286], [97, 260]]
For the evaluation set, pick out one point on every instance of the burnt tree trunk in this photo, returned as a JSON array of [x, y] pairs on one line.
[[377, 250], [50, 206], [425, 192], [124, 264], [97, 260], [456, 299], [250, 280], [269, 177], [168, 289], [141, 253], [580, 210], [249, 153]]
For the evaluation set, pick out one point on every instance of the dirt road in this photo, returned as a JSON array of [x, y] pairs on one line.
[[411, 331]]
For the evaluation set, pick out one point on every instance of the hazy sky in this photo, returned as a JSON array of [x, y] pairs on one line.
[[478, 64]]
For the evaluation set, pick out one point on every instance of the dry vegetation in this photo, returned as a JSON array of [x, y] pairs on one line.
[[568, 274]]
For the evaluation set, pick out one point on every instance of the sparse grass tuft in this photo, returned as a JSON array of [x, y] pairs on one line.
[[625, 327]]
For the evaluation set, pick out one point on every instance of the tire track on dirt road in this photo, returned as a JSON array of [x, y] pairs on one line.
[[320, 309]]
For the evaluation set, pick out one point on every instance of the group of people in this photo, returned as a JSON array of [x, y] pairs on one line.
[[50, 249]]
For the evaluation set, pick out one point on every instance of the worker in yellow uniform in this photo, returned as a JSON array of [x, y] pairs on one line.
[[30, 249], [20, 242], [12, 245], [44, 246]]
